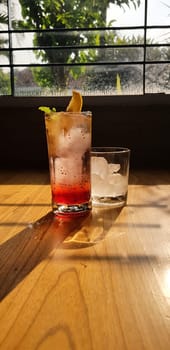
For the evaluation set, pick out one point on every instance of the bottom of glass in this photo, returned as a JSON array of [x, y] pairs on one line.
[[118, 201], [69, 210]]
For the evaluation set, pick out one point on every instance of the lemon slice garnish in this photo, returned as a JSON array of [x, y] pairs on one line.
[[76, 102]]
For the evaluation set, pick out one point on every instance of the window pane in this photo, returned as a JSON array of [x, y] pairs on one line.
[[158, 53], [26, 57], [72, 56], [159, 36], [93, 80], [158, 12], [20, 40], [62, 38], [104, 80], [124, 54], [76, 38], [3, 15], [15, 11], [25, 82], [158, 78], [94, 60], [4, 42], [130, 36], [126, 15], [5, 88], [4, 57]]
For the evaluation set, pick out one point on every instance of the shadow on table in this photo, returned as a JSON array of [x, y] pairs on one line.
[[22, 253]]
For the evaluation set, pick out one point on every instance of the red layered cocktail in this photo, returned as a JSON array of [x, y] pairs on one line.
[[69, 143]]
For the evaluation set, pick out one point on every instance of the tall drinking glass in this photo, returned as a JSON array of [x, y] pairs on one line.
[[69, 143]]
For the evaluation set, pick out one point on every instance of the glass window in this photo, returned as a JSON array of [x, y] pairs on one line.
[[119, 47], [158, 12]]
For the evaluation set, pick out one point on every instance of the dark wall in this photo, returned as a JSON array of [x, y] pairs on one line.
[[141, 123], [22, 138]]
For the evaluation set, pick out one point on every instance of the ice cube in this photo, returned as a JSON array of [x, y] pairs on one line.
[[97, 184], [99, 166], [113, 168], [73, 141], [114, 178], [118, 185], [106, 189], [68, 170]]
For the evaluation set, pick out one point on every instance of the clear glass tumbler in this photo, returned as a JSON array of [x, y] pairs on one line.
[[69, 144], [109, 175]]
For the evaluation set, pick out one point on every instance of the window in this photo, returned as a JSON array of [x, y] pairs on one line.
[[48, 48]]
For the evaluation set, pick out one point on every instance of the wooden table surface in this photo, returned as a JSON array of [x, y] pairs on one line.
[[95, 283]]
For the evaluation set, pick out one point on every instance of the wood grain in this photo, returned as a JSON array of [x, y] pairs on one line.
[[98, 282]]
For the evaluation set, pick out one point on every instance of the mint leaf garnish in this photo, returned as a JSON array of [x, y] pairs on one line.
[[47, 110]]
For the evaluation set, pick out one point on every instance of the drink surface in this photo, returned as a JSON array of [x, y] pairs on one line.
[[69, 142]]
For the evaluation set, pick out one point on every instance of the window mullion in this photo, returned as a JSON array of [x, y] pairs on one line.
[[10, 48], [145, 43]]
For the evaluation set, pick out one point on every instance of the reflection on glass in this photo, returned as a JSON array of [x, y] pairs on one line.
[[158, 78], [93, 80]]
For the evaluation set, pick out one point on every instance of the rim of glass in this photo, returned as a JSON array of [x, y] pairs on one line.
[[69, 112], [115, 149]]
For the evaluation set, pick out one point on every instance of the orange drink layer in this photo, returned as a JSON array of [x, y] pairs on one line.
[[69, 144]]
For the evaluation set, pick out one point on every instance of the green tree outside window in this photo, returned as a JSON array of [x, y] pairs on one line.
[[67, 14]]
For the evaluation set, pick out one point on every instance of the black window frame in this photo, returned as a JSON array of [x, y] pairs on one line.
[[142, 62]]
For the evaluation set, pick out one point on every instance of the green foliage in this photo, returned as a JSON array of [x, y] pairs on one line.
[[77, 71], [5, 83], [66, 14], [43, 76]]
